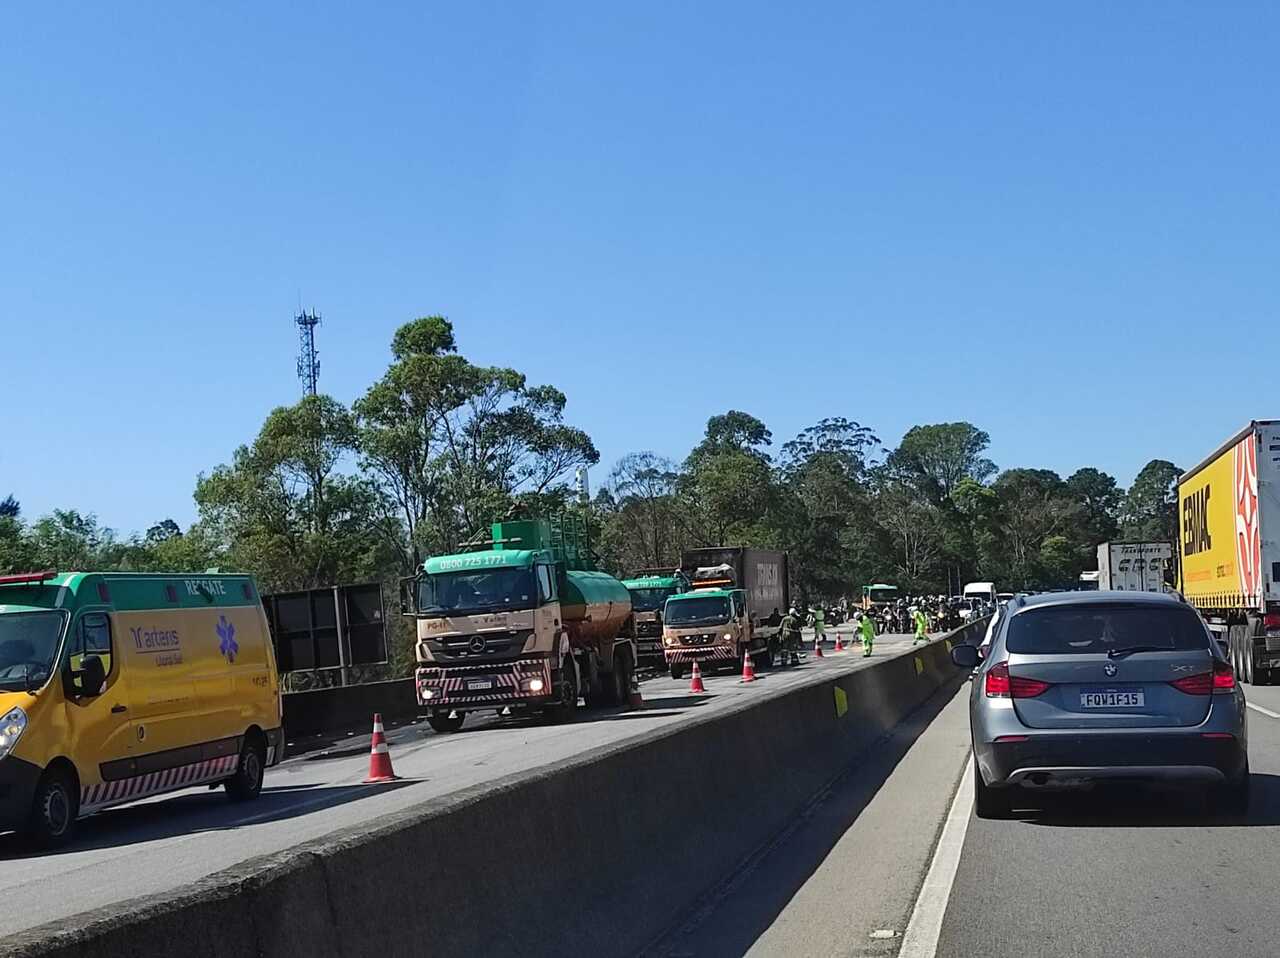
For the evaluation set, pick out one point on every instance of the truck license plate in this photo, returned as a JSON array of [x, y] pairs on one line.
[[479, 685], [1113, 698]]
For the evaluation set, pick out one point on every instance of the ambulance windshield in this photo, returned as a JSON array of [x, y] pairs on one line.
[[28, 648]]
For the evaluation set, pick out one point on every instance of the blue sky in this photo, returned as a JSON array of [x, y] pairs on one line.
[[1059, 222]]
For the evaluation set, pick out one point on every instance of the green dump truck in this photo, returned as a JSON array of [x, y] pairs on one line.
[[650, 589], [521, 621]]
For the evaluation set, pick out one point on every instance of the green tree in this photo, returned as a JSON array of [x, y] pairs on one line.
[[1150, 512], [933, 459], [1100, 499], [646, 524], [451, 446], [733, 432], [285, 510]]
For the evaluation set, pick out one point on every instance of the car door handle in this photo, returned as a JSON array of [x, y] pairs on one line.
[[117, 709]]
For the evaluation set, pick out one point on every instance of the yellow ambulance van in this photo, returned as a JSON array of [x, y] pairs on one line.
[[119, 686]]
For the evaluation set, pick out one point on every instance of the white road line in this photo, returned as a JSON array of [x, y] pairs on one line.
[[1267, 712], [921, 937]]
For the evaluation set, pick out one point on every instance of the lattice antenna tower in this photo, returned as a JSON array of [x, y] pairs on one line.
[[308, 358]]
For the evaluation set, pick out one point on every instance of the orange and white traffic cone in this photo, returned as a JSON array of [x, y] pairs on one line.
[[635, 700], [839, 645], [695, 684], [817, 648], [748, 668], [379, 756]]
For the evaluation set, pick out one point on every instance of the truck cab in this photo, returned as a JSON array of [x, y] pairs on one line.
[[649, 593], [708, 626], [523, 622]]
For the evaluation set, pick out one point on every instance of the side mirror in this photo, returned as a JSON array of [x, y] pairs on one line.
[[408, 595], [965, 656], [91, 675]]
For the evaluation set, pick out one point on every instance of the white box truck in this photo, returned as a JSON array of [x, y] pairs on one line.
[[1134, 566]]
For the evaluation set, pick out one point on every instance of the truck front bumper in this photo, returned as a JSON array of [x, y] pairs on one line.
[[684, 655], [474, 687]]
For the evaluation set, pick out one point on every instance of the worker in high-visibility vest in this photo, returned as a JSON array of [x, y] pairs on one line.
[[817, 618], [868, 629], [922, 625]]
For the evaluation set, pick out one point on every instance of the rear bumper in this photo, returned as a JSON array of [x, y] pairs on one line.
[[1057, 760], [18, 780]]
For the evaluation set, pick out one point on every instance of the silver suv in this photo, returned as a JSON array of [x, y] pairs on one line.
[[1077, 688]]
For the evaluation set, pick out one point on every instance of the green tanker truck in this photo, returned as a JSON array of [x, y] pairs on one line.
[[650, 589], [521, 621]]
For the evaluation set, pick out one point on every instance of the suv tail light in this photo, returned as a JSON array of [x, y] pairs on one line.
[[1222, 679], [1000, 684]]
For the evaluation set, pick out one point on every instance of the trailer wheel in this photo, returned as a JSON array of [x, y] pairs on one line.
[[444, 722]]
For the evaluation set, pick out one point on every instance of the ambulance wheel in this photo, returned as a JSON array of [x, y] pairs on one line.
[[246, 784], [53, 810], [444, 723]]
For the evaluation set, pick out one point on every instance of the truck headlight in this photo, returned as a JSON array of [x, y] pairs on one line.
[[728, 636], [670, 641], [536, 685], [11, 729]]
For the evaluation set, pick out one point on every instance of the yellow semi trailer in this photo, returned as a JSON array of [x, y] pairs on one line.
[[1229, 546]]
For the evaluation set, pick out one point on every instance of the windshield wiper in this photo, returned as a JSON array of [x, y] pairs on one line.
[[1129, 650]]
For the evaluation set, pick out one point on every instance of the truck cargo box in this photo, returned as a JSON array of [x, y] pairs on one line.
[[762, 573], [1229, 523]]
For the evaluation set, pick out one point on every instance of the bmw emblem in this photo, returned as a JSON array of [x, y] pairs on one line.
[[1110, 669]]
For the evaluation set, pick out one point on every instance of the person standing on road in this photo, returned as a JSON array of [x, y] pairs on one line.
[[868, 629], [922, 625], [817, 620], [790, 629]]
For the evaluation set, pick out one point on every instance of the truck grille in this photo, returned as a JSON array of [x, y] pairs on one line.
[[648, 628], [705, 639], [483, 647]]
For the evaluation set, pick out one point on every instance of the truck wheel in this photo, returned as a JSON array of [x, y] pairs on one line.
[[246, 783], [563, 710], [444, 723], [53, 810], [676, 672], [621, 686], [766, 659], [1248, 659]]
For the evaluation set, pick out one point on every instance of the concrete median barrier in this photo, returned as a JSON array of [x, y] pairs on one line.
[[594, 855]]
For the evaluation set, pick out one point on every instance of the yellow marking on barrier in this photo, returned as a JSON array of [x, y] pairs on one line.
[[842, 702], [919, 666]]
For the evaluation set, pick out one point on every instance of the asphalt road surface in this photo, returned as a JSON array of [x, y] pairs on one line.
[[153, 846], [1128, 871]]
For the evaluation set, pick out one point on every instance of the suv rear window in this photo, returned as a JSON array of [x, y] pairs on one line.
[[1091, 628]]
